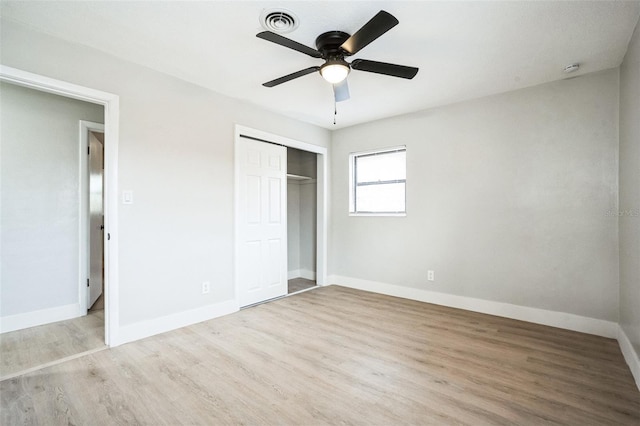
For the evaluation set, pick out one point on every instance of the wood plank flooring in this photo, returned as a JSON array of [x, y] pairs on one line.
[[24, 349], [338, 356], [298, 284]]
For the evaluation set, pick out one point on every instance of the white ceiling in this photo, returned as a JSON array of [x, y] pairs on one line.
[[464, 49]]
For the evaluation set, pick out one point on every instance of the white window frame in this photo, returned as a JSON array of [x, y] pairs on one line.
[[352, 181]]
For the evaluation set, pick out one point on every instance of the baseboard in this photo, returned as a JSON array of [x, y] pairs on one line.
[[302, 273], [140, 330], [630, 355], [40, 317], [307, 274], [293, 274], [523, 313]]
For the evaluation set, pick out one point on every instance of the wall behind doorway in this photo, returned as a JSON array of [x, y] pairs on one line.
[[629, 209], [39, 210]]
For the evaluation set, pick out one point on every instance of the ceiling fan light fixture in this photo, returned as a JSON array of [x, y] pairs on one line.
[[335, 71]]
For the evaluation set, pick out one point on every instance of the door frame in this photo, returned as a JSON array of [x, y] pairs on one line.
[[321, 205], [85, 234], [111, 104]]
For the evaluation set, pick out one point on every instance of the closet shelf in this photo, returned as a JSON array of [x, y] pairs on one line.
[[297, 177]]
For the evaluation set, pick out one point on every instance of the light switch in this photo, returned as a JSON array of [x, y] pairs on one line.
[[127, 197]]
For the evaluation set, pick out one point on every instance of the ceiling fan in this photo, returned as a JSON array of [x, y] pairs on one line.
[[334, 46]]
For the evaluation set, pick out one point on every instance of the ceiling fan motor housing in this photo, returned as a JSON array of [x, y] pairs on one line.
[[329, 43]]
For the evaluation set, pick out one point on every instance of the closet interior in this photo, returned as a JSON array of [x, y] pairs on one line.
[[301, 218]]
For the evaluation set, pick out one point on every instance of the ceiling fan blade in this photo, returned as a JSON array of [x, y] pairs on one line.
[[290, 76], [341, 91], [378, 25], [283, 41], [393, 70]]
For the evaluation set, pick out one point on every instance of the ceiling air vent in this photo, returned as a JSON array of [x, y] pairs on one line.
[[278, 20]]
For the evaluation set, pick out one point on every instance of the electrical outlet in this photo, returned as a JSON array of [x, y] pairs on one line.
[[431, 276], [206, 286]]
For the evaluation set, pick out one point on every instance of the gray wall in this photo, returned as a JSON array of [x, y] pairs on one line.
[[293, 226], [176, 154], [629, 213], [507, 199], [301, 163], [308, 214], [40, 198], [302, 211]]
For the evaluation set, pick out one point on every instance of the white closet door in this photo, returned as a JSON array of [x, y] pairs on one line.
[[262, 221]]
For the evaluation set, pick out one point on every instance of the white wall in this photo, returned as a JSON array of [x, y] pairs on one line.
[[507, 199], [629, 211], [176, 154], [40, 183]]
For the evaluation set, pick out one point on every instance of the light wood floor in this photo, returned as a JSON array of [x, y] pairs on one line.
[[24, 349], [297, 284], [99, 303], [338, 356]]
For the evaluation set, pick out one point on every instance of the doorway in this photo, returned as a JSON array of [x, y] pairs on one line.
[[110, 102], [95, 285], [301, 219], [44, 316], [92, 286], [264, 266]]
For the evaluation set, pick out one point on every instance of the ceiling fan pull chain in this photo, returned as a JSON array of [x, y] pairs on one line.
[[335, 111]]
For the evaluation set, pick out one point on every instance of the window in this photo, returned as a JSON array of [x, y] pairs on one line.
[[378, 182]]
